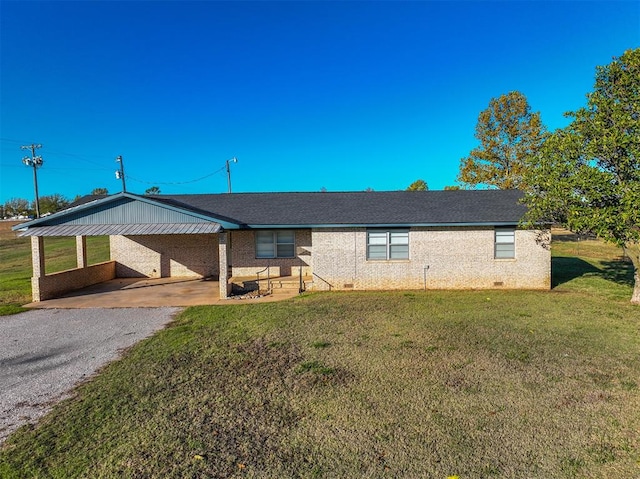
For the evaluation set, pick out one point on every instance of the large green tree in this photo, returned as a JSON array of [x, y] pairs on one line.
[[509, 133], [587, 176]]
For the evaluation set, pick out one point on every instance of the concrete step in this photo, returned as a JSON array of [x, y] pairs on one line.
[[286, 284], [283, 287]]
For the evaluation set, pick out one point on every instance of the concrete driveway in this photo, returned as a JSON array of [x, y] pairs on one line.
[[45, 353]]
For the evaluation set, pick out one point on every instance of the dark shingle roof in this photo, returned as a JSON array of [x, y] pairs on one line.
[[357, 208]]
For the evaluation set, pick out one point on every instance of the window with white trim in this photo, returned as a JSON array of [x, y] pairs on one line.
[[275, 244], [387, 244], [505, 243]]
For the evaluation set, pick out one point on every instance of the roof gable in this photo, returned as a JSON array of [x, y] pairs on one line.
[[120, 209]]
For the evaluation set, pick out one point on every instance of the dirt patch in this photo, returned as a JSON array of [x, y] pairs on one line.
[[6, 233]]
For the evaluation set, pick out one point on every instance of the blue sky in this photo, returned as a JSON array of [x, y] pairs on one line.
[[340, 95]]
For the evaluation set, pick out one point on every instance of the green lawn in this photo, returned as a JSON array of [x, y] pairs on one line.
[[15, 261], [478, 384]]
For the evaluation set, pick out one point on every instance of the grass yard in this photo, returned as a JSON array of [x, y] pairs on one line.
[[15, 261], [590, 266], [476, 384]]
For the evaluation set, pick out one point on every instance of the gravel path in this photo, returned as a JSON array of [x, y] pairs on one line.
[[45, 353]]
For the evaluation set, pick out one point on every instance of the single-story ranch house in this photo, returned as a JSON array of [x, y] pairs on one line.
[[330, 241]]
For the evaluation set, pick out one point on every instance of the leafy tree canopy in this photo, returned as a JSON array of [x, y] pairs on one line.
[[100, 191], [52, 203], [509, 133], [587, 175], [418, 185], [154, 190], [17, 207]]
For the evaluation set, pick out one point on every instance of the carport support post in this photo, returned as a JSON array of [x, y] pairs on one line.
[[37, 261], [224, 265], [81, 251]]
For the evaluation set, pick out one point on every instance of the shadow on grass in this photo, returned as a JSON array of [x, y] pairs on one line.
[[618, 271], [565, 269]]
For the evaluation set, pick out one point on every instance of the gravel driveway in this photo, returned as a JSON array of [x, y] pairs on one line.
[[45, 353]]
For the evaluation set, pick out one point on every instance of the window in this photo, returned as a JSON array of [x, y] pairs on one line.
[[385, 245], [505, 243], [275, 244]]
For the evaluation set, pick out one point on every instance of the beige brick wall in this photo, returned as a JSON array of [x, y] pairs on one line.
[[160, 256], [245, 264], [55, 284], [457, 258]]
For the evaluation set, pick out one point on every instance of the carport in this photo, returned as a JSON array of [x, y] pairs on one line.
[[149, 240]]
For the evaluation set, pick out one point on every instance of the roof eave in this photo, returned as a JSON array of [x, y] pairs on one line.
[[380, 225], [115, 197]]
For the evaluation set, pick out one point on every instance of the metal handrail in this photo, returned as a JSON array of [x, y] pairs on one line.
[[268, 277], [323, 280]]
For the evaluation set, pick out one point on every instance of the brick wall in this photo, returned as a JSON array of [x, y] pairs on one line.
[[245, 264], [457, 258], [55, 284], [160, 256]]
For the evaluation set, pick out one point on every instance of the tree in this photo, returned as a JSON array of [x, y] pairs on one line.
[[587, 175], [100, 191], [17, 207], [418, 185], [154, 190], [52, 203], [452, 188], [509, 134]]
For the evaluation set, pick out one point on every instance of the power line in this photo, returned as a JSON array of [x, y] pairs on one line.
[[50, 168], [81, 158], [63, 153], [101, 167], [9, 140], [176, 182]]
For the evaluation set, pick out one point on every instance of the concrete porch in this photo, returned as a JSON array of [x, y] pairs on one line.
[[149, 293]]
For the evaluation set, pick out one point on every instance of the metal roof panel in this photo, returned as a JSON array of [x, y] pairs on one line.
[[125, 229]]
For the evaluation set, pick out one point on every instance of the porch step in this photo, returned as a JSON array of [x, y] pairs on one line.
[[288, 285], [277, 285]]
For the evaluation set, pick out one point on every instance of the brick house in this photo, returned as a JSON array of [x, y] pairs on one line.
[[326, 241]]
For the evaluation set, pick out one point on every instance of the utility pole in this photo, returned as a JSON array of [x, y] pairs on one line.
[[235, 160], [35, 162], [120, 173]]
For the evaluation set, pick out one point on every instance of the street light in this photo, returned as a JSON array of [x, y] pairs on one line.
[[35, 162]]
